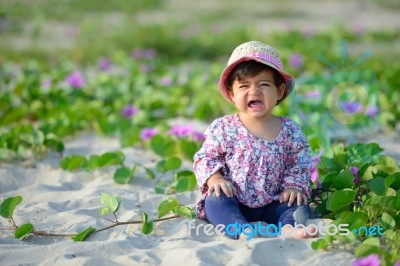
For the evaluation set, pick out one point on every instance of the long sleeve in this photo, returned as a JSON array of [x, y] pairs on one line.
[[297, 172], [210, 158]]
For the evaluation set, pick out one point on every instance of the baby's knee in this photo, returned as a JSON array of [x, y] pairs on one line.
[[301, 214], [221, 199]]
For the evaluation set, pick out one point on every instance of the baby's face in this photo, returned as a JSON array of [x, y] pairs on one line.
[[256, 96]]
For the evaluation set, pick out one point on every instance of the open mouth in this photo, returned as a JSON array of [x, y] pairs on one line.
[[255, 104]]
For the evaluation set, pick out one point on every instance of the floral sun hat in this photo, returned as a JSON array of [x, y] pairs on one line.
[[260, 52]]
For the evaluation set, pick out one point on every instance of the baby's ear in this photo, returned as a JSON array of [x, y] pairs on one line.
[[281, 91]]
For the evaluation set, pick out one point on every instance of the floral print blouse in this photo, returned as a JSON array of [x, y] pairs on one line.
[[259, 169]]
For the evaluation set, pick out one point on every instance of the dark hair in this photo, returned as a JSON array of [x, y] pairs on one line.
[[250, 69]]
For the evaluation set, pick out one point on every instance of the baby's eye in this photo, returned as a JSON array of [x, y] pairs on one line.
[[265, 84], [243, 86]]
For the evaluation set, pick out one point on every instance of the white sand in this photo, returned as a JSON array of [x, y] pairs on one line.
[[67, 202]]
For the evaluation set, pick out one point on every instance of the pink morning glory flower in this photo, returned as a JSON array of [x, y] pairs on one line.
[[358, 29], [371, 260], [372, 110], [181, 131], [354, 170], [75, 80], [165, 81], [315, 160], [350, 107], [313, 94], [104, 64], [144, 53], [296, 61], [129, 111], [148, 133], [198, 136]]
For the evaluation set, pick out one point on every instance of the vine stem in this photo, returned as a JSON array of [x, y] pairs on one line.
[[42, 233]]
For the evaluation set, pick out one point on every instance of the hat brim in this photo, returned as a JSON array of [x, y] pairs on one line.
[[288, 79]]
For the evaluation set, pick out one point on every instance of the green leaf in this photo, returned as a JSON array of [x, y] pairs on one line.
[[24, 230], [147, 225], [160, 166], [172, 164], [110, 158], [378, 186], [340, 199], [189, 148], [104, 211], [373, 241], [319, 244], [122, 175], [387, 221], [184, 211], [186, 183], [73, 162], [328, 180], [150, 174], [84, 234], [92, 163], [8, 206], [112, 202], [343, 180], [160, 187], [389, 165], [167, 206], [364, 250], [157, 145]]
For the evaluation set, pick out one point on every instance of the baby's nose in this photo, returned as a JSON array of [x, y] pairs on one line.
[[254, 89]]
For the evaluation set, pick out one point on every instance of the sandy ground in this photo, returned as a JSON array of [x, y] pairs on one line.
[[67, 202]]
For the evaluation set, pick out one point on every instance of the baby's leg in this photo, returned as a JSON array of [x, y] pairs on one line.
[[224, 210], [293, 219]]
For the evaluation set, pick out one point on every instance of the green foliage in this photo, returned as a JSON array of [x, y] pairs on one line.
[[84, 234], [112, 203], [173, 205], [147, 226], [363, 199], [8, 206], [24, 230]]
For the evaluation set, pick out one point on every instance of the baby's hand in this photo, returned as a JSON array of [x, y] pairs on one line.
[[291, 195], [221, 183]]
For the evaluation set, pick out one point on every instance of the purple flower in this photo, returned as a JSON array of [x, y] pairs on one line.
[[372, 110], [75, 80], [371, 260], [314, 174], [144, 53], [145, 68], [198, 136], [358, 29], [148, 133], [46, 83], [354, 170], [315, 160], [397, 263], [181, 131], [296, 61], [350, 107], [165, 81], [129, 111], [313, 94], [104, 64]]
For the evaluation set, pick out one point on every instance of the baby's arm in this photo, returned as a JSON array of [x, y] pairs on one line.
[[296, 176], [209, 163]]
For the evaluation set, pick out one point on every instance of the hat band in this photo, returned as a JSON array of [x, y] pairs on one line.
[[268, 58]]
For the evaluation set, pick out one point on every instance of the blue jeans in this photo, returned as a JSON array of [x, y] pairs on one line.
[[228, 210]]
